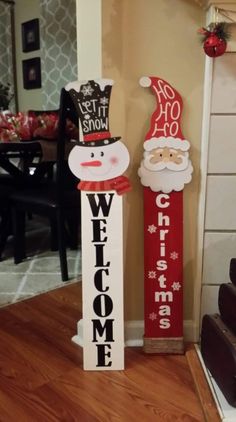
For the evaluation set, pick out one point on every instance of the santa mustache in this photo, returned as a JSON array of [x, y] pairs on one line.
[[165, 164]]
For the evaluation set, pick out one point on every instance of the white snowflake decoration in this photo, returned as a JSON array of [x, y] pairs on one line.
[[87, 116], [87, 90], [152, 228], [174, 255], [152, 274], [152, 316], [176, 286], [104, 100]]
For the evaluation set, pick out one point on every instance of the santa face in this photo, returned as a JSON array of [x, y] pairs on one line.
[[99, 163], [160, 158], [165, 169]]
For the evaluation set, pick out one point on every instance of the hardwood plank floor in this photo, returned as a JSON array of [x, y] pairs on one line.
[[41, 375]]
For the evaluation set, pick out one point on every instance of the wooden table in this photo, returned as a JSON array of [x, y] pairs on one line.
[[16, 158]]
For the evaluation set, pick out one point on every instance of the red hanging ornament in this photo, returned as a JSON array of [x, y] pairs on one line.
[[214, 46], [215, 39]]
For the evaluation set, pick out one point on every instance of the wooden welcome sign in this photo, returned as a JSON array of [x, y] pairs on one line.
[[164, 171], [99, 162]]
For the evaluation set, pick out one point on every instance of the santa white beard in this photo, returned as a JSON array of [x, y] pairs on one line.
[[165, 180]]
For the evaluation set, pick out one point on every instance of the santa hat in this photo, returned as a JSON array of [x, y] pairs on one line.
[[92, 100], [165, 129]]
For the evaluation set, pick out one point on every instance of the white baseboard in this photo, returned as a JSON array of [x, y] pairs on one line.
[[134, 331], [191, 331]]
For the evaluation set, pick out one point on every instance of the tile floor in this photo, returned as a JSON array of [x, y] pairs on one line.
[[40, 272]]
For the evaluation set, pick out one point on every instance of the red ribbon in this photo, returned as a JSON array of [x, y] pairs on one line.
[[96, 136]]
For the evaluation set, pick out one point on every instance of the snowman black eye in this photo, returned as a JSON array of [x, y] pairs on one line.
[[92, 154], [102, 154], [171, 155], [160, 155]]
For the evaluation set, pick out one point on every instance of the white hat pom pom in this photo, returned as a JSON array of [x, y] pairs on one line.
[[145, 81]]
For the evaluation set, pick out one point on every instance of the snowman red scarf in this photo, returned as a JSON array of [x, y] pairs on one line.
[[120, 184]]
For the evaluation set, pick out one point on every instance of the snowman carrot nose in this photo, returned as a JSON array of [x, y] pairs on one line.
[[94, 163]]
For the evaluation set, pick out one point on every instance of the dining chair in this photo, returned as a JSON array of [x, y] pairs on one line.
[[5, 214], [59, 200], [13, 179], [44, 125]]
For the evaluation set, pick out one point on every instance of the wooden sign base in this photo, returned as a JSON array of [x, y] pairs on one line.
[[163, 345]]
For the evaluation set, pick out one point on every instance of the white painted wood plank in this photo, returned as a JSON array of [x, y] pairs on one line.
[[221, 203], [219, 248], [231, 45], [222, 145], [209, 300], [224, 84]]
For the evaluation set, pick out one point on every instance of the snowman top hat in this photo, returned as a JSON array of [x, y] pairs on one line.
[[92, 100]]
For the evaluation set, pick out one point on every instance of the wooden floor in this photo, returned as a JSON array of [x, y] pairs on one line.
[[41, 375]]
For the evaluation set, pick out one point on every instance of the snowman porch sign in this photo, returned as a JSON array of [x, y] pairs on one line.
[[99, 162], [164, 171]]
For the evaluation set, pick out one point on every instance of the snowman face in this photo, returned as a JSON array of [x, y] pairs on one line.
[[100, 162]]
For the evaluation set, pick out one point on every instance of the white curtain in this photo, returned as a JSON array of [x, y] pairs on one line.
[[59, 48], [6, 62]]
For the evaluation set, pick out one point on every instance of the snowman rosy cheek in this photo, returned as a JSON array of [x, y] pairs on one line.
[[114, 160]]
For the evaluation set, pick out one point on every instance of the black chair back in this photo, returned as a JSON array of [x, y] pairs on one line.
[[65, 180], [58, 200]]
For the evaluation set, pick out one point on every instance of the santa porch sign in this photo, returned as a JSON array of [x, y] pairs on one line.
[[164, 170], [99, 162]]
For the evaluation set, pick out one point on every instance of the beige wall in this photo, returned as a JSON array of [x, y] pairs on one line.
[[158, 38]]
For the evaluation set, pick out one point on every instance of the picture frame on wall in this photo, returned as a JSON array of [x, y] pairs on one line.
[[31, 73], [30, 35]]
